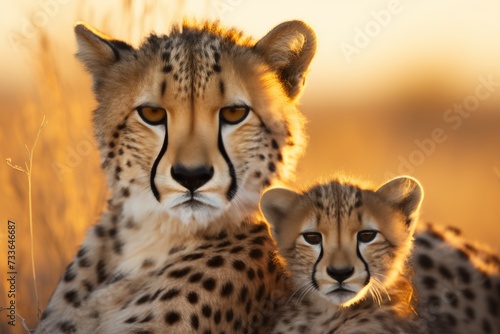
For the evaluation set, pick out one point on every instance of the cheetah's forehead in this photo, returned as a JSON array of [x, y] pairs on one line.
[[334, 201], [189, 60]]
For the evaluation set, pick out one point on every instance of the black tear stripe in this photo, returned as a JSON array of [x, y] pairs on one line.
[[155, 191], [233, 187], [315, 284], [364, 262]]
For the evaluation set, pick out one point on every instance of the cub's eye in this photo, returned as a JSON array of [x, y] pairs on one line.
[[152, 115], [366, 236], [312, 238], [233, 114]]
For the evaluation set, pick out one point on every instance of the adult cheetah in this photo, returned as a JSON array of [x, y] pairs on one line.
[[191, 126]]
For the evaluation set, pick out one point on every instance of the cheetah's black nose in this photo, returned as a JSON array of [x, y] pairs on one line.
[[192, 178], [339, 274]]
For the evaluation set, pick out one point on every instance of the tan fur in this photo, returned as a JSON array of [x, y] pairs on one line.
[[381, 297], [124, 277]]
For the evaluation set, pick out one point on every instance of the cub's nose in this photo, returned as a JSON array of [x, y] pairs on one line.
[[192, 178], [339, 274]]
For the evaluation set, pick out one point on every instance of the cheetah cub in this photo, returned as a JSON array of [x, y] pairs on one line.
[[346, 249]]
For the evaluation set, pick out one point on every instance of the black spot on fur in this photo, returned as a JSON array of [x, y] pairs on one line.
[[272, 167], [429, 282], [469, 311], [172, 317], [81, 252], [486, 326], [445, 272], [142, 299], [224, 244], [45, 314], [70, 274], [170, 294], [206, 310], [240, 236], [251, 274], [162, 270], [99, 231], [193, 256], [260, 292], [84, 262], [259, 240], [88, 286], [243, 294], [423, 242], [217, 317], [259, 228], [72, 298], [469, 294], [209, 284], [192, 297], [492, 306], [239, 265], [204, 246], [195, 322], [147, 318], [229, 315], [236, 249], [222, 88], [237, 325], [67, 327], [180, 272], [163, 87], [196, 277], [216, 262], [464, 275], [256, 253], [131, 320], [167, 68], [425, 261], [227, 289], [101, 271]]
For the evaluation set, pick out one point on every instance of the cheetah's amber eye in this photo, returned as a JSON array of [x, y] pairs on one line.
[[152, 115], [367, 236], [312, 238], [233, 114]]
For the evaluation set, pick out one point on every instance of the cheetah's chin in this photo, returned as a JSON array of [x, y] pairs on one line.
[[341, 296]]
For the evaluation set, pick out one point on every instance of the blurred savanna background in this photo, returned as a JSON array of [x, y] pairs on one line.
[[397, 87]]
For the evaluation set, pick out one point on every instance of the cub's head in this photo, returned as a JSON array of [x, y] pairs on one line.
[[195, 124], [341, 241]]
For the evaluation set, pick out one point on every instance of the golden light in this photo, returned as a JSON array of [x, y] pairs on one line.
[[397, 87]]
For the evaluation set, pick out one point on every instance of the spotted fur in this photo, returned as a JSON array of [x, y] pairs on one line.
[[346, 249], [181, 247], [458, 282]]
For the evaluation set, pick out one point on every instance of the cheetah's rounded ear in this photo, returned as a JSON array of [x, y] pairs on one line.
[[405, 194], [288, 50], [275, 205], [98, 51]]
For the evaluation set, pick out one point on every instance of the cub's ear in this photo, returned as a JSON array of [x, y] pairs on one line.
[[405, 194], [276, 204], [98, 51], [288, 49]]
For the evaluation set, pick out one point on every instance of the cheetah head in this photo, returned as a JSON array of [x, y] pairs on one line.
[[343, 242], [195, 124]]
